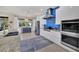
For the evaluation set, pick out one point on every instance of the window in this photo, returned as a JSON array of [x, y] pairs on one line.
[[25, 22], [3, 23]]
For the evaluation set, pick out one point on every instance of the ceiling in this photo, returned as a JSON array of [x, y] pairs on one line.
[[26, 11]]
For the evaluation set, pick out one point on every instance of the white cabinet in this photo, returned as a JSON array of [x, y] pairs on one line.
[[52, 35]]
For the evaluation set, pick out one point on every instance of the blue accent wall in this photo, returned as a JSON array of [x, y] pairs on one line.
[[53, 12], [51, 21]]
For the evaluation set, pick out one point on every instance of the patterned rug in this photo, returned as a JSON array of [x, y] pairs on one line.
[[31, 45]]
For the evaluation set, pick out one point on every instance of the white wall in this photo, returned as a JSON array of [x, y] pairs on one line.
[[15, 23], [1, 33], [33, 25], [68, 12]]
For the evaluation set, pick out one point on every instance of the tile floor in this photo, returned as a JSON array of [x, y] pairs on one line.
[[52, 48], [33, 43], [10, 44], [29, 42]]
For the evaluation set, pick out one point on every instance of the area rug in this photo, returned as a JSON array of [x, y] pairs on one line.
[[31, 45]]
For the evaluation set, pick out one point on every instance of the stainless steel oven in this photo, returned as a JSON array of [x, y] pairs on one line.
[[70, 26], [70, 33]]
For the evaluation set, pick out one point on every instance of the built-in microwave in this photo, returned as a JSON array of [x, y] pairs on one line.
[[71, 25]]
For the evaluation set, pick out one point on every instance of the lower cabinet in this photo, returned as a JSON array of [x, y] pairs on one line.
[[26, 30], [53, 36]]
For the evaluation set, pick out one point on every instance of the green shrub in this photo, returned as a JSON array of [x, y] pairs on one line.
[[4, 25]]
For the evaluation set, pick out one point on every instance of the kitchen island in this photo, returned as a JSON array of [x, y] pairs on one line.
[[26, 29]]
